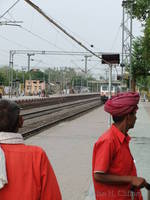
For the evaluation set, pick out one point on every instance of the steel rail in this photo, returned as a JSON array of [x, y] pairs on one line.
[[62, 114], [54, 108]]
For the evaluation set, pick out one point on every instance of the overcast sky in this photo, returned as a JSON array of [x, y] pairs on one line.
[[91, 22]]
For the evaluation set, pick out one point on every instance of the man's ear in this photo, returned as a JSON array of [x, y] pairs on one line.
[[126, 119], [20, 122]]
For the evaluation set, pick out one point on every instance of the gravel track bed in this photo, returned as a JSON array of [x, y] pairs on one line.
[[39, 123]]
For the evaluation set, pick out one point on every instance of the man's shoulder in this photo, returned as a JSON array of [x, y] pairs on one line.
[[106, 136], [32, 148], [22, 148]]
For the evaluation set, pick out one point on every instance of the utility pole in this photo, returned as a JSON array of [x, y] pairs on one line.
[[49, 80], [29, 71], [23, 79], [127, 38], [11, 64], [86, 69], [130, 80], [122, 57], [109, 89], [86, 57], [106, 74]]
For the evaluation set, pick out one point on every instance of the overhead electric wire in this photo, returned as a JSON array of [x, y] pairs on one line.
[[62, 29], [9, 9], [18, 44], [116, 36], [36, 35], [70, 30]]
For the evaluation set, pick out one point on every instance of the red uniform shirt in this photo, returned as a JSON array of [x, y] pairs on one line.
[[112, 155], [30, 175]]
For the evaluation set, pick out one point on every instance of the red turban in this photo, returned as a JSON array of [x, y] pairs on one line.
[[122, 104]]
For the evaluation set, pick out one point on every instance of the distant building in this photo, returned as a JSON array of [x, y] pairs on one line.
[[34, 87]]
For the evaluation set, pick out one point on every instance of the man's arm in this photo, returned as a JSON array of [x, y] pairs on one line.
[[137, 182]]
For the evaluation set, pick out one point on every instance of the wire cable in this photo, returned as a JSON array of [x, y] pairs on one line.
[[18, 44], [36, 35], [113, 43], [9, 9]]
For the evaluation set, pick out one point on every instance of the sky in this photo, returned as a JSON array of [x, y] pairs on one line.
[[96, 23]]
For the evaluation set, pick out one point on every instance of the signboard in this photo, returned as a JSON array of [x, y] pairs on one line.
[[110, 58]]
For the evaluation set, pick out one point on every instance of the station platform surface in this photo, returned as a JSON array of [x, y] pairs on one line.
[[69, 146]]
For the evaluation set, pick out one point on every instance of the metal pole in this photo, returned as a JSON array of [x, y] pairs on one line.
[[110, 80], [29, 56], [10, 55], [23, 79], [109, 89], [97, 87], [122, 61], [11, 60], [86, 57], [49, 80], [62, 78], [130, 69], [23, 84]]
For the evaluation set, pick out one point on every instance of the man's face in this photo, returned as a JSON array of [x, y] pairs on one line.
[[131, 119]]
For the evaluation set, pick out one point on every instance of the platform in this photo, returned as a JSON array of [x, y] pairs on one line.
[[69, 147]]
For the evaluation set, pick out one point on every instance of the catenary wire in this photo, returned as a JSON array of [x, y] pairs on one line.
[[9, 9]]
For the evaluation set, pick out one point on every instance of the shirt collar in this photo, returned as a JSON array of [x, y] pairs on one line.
[[120, 135]]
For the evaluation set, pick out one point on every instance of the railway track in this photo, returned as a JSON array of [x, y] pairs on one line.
[[38, 119]]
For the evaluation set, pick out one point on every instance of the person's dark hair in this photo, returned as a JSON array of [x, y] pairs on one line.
[[9, 115], [118, 119]]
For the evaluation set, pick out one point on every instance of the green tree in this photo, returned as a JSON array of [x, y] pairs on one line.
[[4, 74], [141, 9], [141, 46]]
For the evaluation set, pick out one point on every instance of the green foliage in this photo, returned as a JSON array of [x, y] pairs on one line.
[[65, 77], [37, 75], [4, 75], [146, 41], [141, 46], [141, 9], [139, 66]]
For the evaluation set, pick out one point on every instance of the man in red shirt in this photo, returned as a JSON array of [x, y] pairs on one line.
[[25, 171], [113, 168]]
